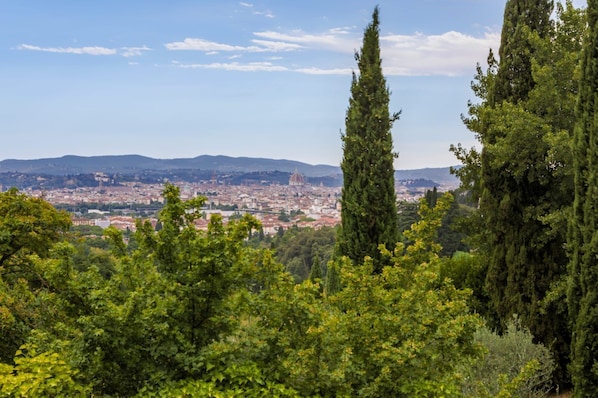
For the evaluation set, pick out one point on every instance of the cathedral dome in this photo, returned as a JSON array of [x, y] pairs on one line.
[[296, 179]]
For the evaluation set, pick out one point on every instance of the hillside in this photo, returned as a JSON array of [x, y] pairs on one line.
[[136, 164]]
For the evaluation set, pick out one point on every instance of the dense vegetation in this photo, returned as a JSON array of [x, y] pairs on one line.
[[378, 308], [523, 176], [583, 280]]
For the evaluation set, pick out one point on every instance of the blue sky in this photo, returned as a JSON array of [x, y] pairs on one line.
[[172, 79]]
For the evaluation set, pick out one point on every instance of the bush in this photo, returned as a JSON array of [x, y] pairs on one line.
[[508, 357]]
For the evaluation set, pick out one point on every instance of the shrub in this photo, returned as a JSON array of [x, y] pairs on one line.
[[508, 358]]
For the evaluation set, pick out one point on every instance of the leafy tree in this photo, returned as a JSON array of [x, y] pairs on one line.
[[583, 280], [368, 213], [154, 320], [29, 227]]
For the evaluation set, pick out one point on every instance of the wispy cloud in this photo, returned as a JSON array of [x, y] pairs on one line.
[[70, 50], [235, 66], [263, 67], [134, 51], [276, 46], [448, 54], [319, 71], [334, 38], [210, 46], [267, 13], [88, 50]]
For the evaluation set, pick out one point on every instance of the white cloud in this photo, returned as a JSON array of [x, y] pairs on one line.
[[134, 51], [329, 39], [211, 46], [267, 13], [204, 45], [276, 46], [451, 53], [263, 67], [235, 66], [70, 50], [447, 54], [90, 50], [318, 71]]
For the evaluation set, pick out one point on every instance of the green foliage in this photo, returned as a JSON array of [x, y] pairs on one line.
[[299, 247], [400, 327], [28, 229], [315, 275], [87, 230], [512, 366], [450, 237], [582, 295], [283, 216], [468, 271], [401, 332], [44, 374], [522, 178], [407, 215], [514, 79], [235, 381], [195, 313], [368, 213], [27, 226]]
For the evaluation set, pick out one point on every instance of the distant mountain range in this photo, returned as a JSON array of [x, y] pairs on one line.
[[133, 164]]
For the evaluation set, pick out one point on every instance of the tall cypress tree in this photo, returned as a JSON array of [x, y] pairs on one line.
[[368, 214], [510, 234], [582, 294], [518, 187], [514, 78]]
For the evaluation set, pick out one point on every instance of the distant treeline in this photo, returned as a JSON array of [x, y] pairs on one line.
[[47, 181]]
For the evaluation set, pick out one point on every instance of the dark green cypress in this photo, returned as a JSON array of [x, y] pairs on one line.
[[369, 213], [514, 78], [315, 274], [525, 258], [582, 294], [508, 234]]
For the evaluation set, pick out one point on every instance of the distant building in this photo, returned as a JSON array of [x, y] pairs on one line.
[[296, 179], [104, 223]]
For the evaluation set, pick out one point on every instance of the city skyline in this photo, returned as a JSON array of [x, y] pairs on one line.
[[243, 79]]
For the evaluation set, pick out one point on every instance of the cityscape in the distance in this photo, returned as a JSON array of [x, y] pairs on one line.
[[116, 190]]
